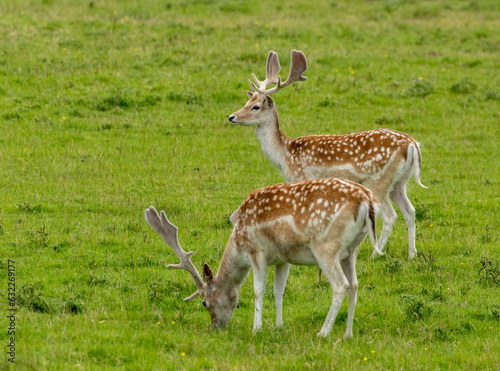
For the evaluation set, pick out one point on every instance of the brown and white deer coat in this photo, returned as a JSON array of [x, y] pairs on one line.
[[314, 222], [383, 160]]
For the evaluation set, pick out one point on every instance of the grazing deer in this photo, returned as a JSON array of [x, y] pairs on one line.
[[314, 222], [382, 160]]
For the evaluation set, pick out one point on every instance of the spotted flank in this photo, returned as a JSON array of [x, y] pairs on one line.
[[308, 208], [362, 155]]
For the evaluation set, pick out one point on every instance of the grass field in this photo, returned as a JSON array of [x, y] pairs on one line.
[[108, 107]]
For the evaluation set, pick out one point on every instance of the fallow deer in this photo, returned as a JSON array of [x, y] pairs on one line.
[[314, 222], [382, 160]]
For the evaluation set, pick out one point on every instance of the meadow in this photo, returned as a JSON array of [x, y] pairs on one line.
[[108, 107]]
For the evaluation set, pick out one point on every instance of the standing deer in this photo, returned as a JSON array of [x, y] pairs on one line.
[[314, 222], [382, 160]]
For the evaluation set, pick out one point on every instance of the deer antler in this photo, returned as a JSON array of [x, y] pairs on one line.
[[272, 69], [297, 68], [168, 232]]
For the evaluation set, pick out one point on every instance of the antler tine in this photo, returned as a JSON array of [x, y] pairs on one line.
[[168, 233], [272, 69], [262, 84], [192, 296], [254, 88], [297, 68]]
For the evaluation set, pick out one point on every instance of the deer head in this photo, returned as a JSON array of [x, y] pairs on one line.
[[260, 108], [219, 299]]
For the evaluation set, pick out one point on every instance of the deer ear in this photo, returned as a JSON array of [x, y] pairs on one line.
[[207, 274], [269, 101], [250, 94]]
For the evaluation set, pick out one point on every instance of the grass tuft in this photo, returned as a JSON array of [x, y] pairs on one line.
[[420, 89], [415, 308], [463, 87], [489, 270], [493, 95], [30, 296]]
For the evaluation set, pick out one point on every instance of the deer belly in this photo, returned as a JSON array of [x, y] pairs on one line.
[[285, 244], [298, 255]]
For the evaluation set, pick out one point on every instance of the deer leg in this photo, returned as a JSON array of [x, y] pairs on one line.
[[349, 268], [389, 218], [340, 285], [259, 266], [398, 195], [280, 276]]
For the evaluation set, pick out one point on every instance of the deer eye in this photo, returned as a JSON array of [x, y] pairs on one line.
[[255, 108]]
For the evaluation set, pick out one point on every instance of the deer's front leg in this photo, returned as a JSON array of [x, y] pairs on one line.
[[280, 276], [259, 265]]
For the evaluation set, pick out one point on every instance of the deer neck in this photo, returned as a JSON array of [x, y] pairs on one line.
[[272, 140], [234, 266]]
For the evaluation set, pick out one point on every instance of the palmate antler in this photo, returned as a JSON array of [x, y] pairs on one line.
[[297, 68], [272, 69], [168, 232]]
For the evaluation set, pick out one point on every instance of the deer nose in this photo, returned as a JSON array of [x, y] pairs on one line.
[[232, 117]]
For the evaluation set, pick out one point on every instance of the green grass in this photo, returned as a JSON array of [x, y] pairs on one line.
[[109, 107]]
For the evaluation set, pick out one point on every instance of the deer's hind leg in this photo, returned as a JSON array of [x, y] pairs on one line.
[[329, 262], [389, 218], [398, 195], [349, 268]]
